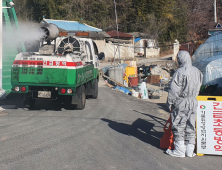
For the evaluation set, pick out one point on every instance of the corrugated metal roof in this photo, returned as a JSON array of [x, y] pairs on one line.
[[121, 34], [71, 25]]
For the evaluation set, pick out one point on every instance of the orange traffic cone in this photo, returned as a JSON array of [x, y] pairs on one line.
[[166, 142]]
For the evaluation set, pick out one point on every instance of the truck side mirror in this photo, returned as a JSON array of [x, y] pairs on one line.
[[101, 56]]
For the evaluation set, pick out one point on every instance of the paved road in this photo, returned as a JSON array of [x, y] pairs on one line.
[[114, 132]]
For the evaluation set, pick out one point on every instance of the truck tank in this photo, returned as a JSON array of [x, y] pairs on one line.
[[50, 31]]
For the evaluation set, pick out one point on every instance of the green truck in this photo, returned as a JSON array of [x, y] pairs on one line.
[[65, 69]]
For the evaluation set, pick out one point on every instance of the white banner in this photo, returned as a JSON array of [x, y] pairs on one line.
[[209, 127]]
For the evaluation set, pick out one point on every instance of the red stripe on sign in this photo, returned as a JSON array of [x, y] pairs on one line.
[[47, 63]]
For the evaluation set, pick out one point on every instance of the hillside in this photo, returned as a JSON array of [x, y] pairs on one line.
[[165, 20], [200, 13]]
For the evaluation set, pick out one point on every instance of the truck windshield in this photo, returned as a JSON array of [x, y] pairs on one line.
[[95, 48], [89, 49]]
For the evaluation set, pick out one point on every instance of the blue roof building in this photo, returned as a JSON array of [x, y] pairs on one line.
[[71, 26]]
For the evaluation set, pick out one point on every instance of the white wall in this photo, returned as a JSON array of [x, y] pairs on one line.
[[176, 48], [152, 52], [125, 51]]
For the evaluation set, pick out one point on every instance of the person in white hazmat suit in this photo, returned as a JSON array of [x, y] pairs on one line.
[[182, 102]]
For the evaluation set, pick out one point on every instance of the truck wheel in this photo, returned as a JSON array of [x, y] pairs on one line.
[[95, 88], [82, 97], [68, 103], [27, 100]]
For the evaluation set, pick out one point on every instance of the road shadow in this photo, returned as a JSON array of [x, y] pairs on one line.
[[11, 100], [163, 106], [160, 122], [15, 101], [140, 129]]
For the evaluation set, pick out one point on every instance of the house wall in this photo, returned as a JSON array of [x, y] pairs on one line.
[[152, 52], [125, 51], [139, 45], [149, 45]]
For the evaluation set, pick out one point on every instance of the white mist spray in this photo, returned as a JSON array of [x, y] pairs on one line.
[[28, 33]]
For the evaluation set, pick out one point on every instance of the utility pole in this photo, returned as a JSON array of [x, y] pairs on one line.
[[118, 41], [215, 11], [117, 28]]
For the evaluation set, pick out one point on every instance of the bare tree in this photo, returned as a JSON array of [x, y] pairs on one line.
[[200, 13]]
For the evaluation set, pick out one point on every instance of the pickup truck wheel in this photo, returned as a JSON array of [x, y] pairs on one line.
[[68, 103], [27, 100], [30, 102], [82, 97], [95, 88]]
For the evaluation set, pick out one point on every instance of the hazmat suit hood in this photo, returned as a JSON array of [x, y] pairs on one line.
[[183, 58]]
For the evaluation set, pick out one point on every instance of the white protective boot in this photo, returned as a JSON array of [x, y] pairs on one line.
[[179, 150], [189, 150]]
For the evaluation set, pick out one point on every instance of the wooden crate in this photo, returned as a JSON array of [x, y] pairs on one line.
[[153, 79]]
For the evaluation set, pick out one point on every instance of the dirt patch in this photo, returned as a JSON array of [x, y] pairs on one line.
[[165, 53], [2, 113]]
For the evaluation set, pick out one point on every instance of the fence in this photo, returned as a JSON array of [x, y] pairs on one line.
[[190, 47], [127, 51]]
